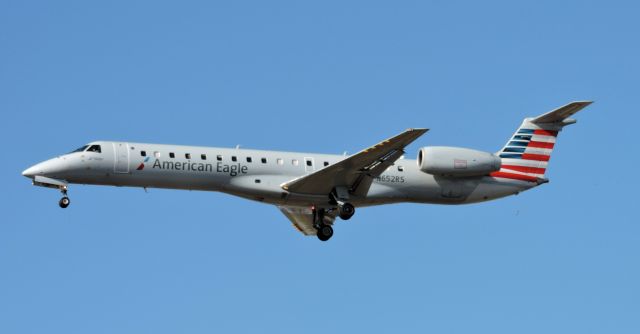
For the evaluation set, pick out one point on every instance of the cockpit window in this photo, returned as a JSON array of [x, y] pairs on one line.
[[95, 148], [81, 149]]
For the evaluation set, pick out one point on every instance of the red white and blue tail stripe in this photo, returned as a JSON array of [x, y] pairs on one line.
[[526, 155]]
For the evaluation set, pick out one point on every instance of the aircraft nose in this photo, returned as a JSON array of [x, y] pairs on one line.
[[30, 172], [50, 167]]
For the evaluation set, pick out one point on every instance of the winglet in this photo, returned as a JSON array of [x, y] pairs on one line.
[[562, 114]]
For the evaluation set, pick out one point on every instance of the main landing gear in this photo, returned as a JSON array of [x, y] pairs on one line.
[[324, 231], [64, 201], [340, 197], [346, 210]]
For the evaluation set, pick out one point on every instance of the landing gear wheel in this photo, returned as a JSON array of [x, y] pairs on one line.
[[325, 232], [64, 202], [346, 211]]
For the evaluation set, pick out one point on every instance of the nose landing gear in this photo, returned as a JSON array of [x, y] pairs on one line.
[[64, 201]]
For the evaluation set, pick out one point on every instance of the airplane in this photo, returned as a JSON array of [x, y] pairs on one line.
[[312, 190]]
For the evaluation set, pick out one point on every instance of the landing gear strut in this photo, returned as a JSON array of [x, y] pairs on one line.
[[324, 231], [340, 196], [64, 201]]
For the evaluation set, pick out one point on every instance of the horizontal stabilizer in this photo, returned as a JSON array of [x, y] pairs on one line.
[[561, 113]]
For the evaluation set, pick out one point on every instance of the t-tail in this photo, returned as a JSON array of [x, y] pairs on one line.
[[526, 155]]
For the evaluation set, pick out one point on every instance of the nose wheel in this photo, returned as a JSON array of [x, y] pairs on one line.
[[64, 201]]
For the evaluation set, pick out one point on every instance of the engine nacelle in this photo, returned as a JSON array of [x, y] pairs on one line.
[[456, 161]]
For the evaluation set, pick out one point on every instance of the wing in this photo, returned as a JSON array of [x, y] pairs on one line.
[[302, 218], [357, 171]]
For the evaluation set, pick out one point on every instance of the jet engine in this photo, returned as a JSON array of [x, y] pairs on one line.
[[456, 161]]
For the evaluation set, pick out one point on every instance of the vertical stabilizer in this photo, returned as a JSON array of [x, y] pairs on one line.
[[526, 155]]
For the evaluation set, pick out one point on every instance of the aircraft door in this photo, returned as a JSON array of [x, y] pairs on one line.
[[121, 151]]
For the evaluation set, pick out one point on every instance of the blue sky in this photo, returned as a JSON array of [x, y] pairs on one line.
[[326, 77]]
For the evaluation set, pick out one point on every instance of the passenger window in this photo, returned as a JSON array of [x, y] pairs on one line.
[[219, 158], [264, 160], [326, 163], [156, 154], [95, 148], [172, 155], [280, 162], [294, 162], [400, 169], [309, 163], [203, 156], [187, 155], [248, 159], [233, 158], [143, 153]]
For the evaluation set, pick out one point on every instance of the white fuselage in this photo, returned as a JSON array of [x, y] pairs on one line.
[[312, 189], [257, 174]]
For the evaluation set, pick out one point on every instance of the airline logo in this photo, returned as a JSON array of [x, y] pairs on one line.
[[527, 155], [141, 167]]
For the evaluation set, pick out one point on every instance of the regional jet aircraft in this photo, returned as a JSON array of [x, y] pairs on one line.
[[312, 189]]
